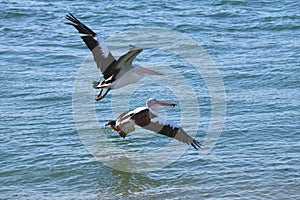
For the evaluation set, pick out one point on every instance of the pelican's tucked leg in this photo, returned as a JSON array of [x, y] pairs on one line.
[[100, 92], [99, 97]]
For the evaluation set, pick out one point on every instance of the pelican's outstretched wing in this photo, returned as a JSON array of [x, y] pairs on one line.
[[159, 125], [168, 128], [103, 57], [124, 63]]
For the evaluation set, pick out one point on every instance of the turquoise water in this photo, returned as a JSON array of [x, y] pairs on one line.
[[254, 44]]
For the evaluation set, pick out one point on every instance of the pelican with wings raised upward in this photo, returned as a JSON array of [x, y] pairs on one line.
[[116, 73], [146, 118]]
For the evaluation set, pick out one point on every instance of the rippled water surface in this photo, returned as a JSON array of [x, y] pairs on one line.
[[255, 45]]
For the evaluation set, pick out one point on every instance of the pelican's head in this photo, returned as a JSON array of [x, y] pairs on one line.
[[143, 71], [151, 103], [110, 123]]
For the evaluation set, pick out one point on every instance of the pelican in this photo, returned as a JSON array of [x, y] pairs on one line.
[[146, 118], [116, 73]]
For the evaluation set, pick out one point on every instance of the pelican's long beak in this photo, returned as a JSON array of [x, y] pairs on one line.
[[149, 71], [163, 103]]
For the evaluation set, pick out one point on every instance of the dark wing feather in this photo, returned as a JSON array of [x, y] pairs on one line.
[[173, 132], [159, 125], [142, 118], [79, 26], [102, 56]]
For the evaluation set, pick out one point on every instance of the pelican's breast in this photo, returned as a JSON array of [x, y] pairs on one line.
[[127, 126]]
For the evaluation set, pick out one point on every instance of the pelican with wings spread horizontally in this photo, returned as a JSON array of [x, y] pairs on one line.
[[146, 118], [116, 73]]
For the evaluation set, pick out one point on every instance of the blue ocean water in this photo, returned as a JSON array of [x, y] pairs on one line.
[[255, 46]]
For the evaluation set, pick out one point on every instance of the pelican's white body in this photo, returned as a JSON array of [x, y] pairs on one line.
[[131, 76]]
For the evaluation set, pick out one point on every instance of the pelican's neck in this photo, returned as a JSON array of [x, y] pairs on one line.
[[154, 109]]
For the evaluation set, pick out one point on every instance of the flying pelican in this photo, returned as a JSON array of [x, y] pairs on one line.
[[146, 118], [116, 73]]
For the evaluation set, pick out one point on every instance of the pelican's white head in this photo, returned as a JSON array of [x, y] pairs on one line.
[[153, 103]]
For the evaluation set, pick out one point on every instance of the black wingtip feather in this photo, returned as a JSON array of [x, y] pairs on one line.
[[72, 18], [78, 25], [196, 144]]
